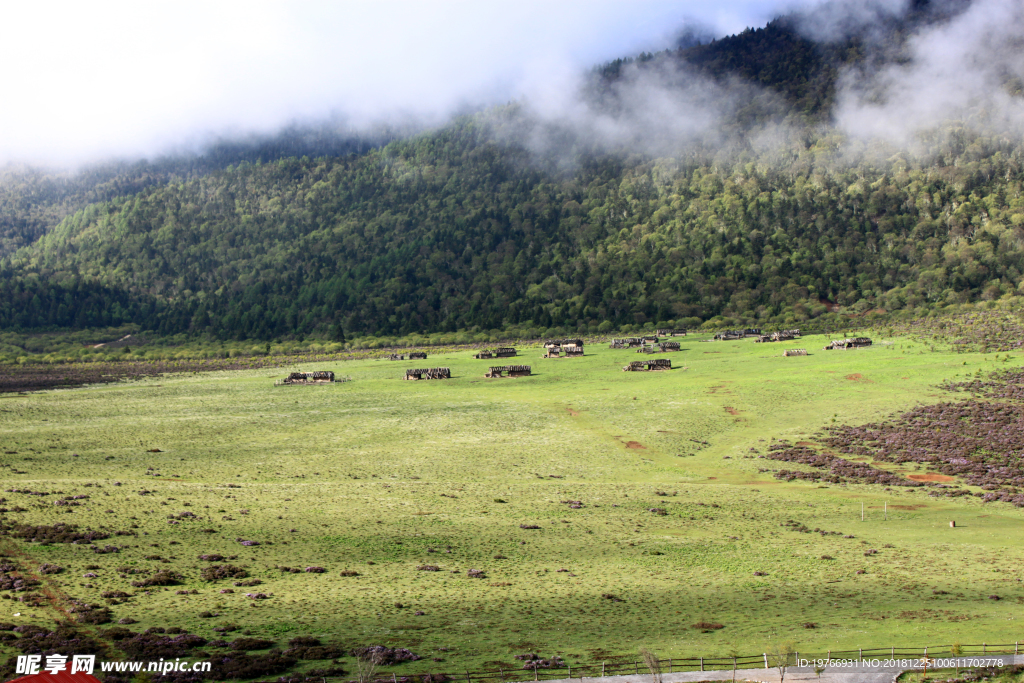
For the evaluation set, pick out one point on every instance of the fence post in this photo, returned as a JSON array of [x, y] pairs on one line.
[[893, 653], [570, 671], [670, 665], [1015, 647], [468, 679], [394, 677], [983, 649], [766, 660], [499, 669], [701, 663], [602, 669], [636, 667], [535, 668]]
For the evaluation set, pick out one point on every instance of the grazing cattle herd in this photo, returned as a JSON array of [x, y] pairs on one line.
[[555, 348]]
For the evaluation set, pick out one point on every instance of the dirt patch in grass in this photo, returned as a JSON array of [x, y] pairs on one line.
[[37, 377], [908, 507], [855, 377], [929, 477], [635, 444], [731, 410], [574, 413]]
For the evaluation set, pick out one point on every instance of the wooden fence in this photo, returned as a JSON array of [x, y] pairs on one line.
[[687, 664]]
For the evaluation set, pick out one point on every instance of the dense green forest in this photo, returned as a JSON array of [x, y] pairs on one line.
[[468, 227], [34, 200]]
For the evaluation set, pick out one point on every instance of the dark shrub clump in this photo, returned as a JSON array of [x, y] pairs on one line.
[[153, 646], [303, 641], [244, 644], [58, 533], [242, 665], [222, 571], [315, 652], [381, 655], [164, 577]]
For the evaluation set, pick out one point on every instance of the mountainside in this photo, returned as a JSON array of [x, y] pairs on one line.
[[470, 226], [781, 57], [33, 200], [450, 230]]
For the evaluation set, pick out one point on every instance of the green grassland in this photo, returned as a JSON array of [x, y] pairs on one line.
[[373, 474]]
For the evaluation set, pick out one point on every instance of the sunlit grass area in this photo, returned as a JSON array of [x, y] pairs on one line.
[[606, 510]]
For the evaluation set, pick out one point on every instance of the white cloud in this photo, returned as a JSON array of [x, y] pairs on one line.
[[88, 80], [956, 71]]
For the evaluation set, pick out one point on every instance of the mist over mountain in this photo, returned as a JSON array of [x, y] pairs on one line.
[[869, 157]]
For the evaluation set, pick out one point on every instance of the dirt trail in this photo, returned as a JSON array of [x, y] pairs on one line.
[[57, 598], [929, 477]]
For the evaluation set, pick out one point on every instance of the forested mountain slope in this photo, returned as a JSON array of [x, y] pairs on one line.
[[34, 200], [777, 56], [475, 224], [783, 57], [453, 230]]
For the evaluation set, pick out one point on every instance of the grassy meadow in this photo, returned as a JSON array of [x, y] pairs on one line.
[[379, 476]]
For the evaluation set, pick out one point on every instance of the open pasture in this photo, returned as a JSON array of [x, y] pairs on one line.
[[602, 510]]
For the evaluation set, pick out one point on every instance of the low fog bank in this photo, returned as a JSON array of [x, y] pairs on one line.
[[923, 70], [656, 109], [135, 81], [963, 62], [968, 70]]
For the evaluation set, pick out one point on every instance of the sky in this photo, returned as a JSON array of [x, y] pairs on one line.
[[84, 82]]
